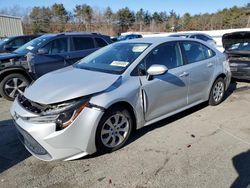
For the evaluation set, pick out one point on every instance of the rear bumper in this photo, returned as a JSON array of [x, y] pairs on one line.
[[240, 72]]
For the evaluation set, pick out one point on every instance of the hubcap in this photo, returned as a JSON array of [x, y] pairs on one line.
[[115, 130], [15, 86], [218, 91]]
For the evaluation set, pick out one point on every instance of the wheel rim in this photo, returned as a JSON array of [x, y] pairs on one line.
[[115, 130], [15, 86], [218, 91]]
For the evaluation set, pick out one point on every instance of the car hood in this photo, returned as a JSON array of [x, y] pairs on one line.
[[68, 83], [7, 56], [233, 38]]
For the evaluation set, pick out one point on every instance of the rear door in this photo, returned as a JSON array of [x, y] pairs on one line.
[[200, 65], [81, 46], [58, 50]]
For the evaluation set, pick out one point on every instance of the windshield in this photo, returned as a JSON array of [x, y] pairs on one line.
[[113, 58], [241, 46], [31, 44]]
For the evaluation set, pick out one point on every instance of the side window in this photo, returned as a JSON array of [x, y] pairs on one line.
[[101, 42], [207, 52], [167, 54], [57, 46], [195, 51], [83, 43]]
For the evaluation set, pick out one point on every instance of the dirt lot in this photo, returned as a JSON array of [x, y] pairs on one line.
[[202, 147]]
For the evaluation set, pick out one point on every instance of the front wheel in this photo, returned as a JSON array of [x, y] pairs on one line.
[[217, 92], [113, 130], [12, 85]]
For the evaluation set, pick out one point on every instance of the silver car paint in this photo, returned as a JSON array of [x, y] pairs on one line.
[[65, 81], [170, 94]]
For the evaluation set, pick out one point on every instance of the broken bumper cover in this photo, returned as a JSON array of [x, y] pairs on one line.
[[44, 142]]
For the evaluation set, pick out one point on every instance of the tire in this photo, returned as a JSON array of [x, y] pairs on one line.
[[12, 85], [217, 92], [121, 119]]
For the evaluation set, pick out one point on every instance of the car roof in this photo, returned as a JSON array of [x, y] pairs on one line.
[[156, 40], [190, 33], [74, 33], [17, 36], [180, 34]]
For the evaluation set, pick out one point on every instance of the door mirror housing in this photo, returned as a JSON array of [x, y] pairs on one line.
[[157, 69], [7, 47], [42, 51]]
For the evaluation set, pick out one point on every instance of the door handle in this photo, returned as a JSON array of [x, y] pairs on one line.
[[184, 74], [209, 64]]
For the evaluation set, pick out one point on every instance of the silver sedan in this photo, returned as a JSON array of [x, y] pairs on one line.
[[95, 104]]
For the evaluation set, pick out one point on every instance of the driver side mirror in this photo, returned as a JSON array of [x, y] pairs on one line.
[[155, 70], [42, 51]]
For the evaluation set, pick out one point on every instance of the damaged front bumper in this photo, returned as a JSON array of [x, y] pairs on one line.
[[44, 142]]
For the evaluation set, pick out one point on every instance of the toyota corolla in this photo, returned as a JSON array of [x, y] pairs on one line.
[[95, 104]]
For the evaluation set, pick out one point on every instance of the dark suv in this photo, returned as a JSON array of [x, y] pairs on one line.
[[10, 44], [45, 54]]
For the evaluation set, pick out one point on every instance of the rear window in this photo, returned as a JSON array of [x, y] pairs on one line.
[[241, 46], [100, 42], [83, 43]]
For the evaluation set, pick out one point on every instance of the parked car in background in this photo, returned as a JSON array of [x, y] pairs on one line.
[[95, 104], [237, 48], [44, 54], [200, 36], [126, 37], [9, 44]]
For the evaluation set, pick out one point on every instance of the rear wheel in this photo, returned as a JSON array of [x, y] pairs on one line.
[[217, 92], [113, 130], [12, 85]]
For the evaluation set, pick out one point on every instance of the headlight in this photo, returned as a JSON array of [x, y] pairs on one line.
[[62, 114], [66, 118]]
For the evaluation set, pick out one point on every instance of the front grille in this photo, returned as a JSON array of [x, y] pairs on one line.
[[30, 105], [31, 143]]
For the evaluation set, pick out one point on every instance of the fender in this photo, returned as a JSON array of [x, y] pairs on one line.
[[15, 69]]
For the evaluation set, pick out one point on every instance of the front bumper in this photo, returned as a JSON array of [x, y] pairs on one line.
[[44, 142]]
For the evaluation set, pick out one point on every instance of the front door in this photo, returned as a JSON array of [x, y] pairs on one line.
[[165, 93]]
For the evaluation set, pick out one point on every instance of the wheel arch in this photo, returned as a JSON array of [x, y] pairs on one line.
[[221, 75], [17, 70], [130, 108]]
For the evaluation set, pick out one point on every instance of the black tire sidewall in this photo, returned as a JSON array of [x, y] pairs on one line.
[[212, 102], [6, 79], [110, 112]]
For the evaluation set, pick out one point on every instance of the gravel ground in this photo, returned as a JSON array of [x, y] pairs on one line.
[[202, 147]]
